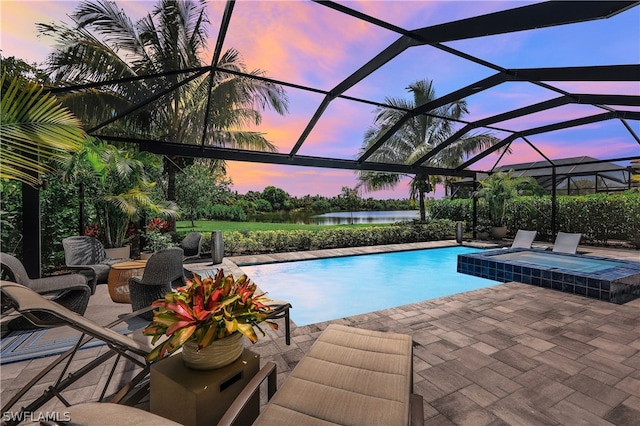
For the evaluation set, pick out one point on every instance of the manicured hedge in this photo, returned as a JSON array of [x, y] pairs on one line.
[[599, 217], [256, 242]]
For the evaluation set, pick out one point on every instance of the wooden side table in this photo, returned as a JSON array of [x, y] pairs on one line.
[[201, 397], [118, 282]]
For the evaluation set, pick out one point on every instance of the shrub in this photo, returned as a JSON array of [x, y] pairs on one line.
[[223, 212], [281, 241]]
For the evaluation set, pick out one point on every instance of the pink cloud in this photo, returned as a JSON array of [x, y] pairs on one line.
[[300, 181]]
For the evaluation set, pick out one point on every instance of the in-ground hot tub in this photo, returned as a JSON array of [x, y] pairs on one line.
[[616, 281]]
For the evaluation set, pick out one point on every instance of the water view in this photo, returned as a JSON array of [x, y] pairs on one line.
[[342, 218], [337, 218]]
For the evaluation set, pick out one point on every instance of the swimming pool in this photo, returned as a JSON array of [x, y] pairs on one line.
[[327, 289]]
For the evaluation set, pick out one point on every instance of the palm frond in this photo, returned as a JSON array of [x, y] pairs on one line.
[[34, 127]]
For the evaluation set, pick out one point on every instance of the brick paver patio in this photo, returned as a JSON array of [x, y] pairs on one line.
[[509, 354]]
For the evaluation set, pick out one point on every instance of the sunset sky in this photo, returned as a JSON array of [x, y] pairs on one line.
[[311, 45]]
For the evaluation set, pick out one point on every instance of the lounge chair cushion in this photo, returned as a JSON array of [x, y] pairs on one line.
[[107, 414], [349, 376]]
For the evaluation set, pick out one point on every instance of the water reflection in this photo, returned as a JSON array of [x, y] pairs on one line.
[[337, 218], [344, 218]]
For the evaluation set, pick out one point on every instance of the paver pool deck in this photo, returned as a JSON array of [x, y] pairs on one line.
[[508, 354]]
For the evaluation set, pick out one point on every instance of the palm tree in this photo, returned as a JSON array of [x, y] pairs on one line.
[[104, 44], [35, 131], [123, 192], [417, 137]]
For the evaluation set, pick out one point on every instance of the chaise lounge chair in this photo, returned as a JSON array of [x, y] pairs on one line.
[[524, 239], [348, 376], [566, 243], [38, 310], [70, 290]]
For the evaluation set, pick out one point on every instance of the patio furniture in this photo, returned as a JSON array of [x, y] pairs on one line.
[[524, 239], [280, 309], [69, 290], [205, 395], [46, 313], [192, 245], [119, 275], [566, 242], [163, 272], [86, 254], [349, 376]]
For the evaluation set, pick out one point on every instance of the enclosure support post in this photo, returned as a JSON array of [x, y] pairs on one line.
[[553, 202], [31, 243]]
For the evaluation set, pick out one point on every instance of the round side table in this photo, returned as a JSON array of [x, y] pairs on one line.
[[118, 282]]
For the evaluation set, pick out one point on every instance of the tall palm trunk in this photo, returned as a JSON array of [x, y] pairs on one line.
[[171, 188], [423, 210]]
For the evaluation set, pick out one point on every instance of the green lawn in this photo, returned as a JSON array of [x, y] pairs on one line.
[[208, 226]]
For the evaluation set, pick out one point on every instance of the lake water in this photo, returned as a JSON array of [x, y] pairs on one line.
[[342, 218]]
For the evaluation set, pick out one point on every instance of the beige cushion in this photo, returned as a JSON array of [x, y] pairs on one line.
[[107, 414], [349, 376]]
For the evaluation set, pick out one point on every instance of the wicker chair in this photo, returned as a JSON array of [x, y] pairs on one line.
[[192, 245], [70, 290], [86, 254], [163, 272]]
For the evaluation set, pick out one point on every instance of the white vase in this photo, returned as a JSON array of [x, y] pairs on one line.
[[218, 354]]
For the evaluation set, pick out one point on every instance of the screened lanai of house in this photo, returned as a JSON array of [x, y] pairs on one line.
[[541, 102]]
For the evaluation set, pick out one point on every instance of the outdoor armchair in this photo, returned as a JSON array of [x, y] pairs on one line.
[[67, 367], [192, 245], [163, 272], [86, 254], [69, 290]]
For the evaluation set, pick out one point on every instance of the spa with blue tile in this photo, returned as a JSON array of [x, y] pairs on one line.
[[615, 281]]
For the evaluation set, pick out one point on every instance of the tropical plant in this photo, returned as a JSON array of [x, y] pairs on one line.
[[103, 44], [501, 187], [156, 241], [420, 135], [122, 192], [206, 310], [35, 131]]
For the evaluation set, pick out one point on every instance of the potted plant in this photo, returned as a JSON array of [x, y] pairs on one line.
[[496, 191], [205, 313], [483, 229]]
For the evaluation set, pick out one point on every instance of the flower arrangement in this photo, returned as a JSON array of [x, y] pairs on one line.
[[158, 225], [206, 310]]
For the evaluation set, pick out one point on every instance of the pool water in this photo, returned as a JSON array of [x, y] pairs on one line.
[[554, 260], [327, 289]]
